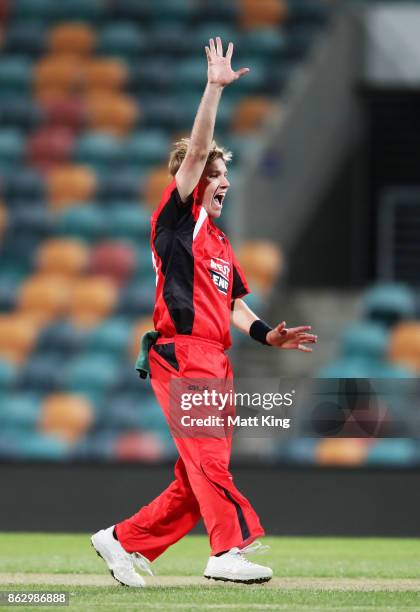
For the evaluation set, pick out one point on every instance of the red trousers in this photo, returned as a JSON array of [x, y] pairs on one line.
[[203, 486]]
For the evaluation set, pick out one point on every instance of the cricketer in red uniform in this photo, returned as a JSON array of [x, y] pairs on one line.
[[198, 296]]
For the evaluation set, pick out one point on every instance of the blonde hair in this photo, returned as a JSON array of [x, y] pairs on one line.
[[180, 150]]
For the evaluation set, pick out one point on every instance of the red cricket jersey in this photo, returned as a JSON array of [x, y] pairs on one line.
[[197, 275]]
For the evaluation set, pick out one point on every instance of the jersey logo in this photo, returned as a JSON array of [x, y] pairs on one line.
[[220, 273]]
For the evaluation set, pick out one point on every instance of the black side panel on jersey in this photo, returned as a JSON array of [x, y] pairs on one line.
[[238, 289], [173, 245], [167, 352]]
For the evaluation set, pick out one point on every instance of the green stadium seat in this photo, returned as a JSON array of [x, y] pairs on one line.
[[11, 148], [99, 150], [111, 337], [172, 11], [169, 39], [15, 75], [91, 373], [131, 222], [86, 222], [217, 10], [123, 39], [135, 10], [150, 147]]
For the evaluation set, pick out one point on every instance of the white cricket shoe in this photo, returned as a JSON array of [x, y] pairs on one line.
[[120, 563], [233, 566]]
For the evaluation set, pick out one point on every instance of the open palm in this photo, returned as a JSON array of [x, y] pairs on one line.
[[219, 68]]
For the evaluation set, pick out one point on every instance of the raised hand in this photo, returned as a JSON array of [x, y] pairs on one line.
[[219, 68], [292, 337]]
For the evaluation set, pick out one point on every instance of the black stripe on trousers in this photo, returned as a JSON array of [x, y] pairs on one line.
[[242, 522]]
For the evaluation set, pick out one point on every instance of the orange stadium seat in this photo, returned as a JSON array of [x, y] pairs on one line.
[[342, 451], [93, 299], [105, 75], [18, 334], [111, 112], [71, 39], [65, 257], [155, 184], [69, 184], [250, 114], [66, 416], [115, 260], [404, 346], [262, 263], [49, 146], [254, 14], [142, 325], [44, 297], [56, 77]]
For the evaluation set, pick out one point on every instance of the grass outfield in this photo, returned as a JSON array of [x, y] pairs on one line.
[[311, 574]]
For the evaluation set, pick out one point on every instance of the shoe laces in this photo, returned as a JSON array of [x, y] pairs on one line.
[[142, 563]]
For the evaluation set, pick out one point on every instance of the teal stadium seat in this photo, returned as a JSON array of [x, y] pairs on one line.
[[53, 11], [11, 148], [32, 10], [15, 75], [27, 38], [397, 452], [19, 411], [23, 184], [201, 34], [263, 43], [35, 446], [87, 222], [20, 112], [99, 150], [172, 11], [130, 222], [124, 39], [40, 372], [388, 303], [91, 373], [8, 376], [150, 147], [110, 337]]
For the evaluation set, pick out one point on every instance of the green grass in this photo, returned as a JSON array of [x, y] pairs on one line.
[[289, 557]]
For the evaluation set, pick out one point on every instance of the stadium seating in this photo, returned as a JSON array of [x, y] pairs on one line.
[[92, 94]]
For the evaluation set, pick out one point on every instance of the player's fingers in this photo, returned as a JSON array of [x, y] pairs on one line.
[[304, 349], [212, 46], [219, 46], [208, 53], [300, 329], [241, 72], [307, 337], [229, 51]]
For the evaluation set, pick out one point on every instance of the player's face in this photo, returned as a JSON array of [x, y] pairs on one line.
[[213, 187]]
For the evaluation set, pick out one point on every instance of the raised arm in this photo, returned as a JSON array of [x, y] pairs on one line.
[[219, 74], [280, 337]]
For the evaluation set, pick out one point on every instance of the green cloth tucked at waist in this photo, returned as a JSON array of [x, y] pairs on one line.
[[142, 363]]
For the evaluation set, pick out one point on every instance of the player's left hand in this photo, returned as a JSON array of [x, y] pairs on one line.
[[292, 337]]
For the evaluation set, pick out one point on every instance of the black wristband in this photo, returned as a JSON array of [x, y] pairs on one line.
[[259, 330]]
